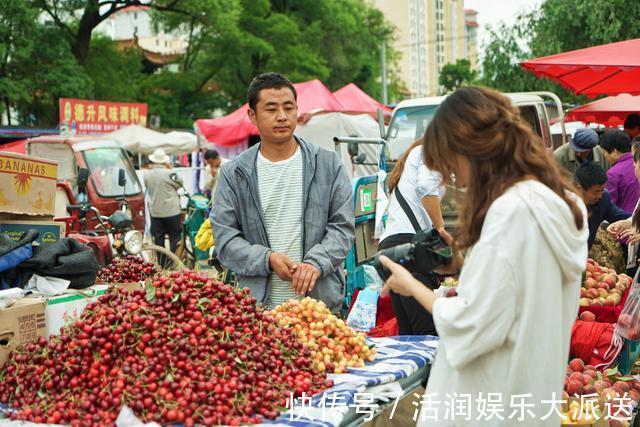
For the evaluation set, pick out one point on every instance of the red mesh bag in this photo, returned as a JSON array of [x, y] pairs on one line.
[[596, 343], [386, 322]]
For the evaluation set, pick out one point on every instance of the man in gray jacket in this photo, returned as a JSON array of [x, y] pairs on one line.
[[283, 219]]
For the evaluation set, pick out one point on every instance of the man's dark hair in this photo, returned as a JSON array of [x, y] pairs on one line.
[[615, 140], [267, 81], [632, 121], [211, 154], [590, 174]]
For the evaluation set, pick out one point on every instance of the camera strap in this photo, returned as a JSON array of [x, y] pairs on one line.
[[407, 210]]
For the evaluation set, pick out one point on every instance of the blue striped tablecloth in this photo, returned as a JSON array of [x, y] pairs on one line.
[[396, 358]]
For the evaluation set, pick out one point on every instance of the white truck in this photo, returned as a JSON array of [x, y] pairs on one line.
[[411, 117]]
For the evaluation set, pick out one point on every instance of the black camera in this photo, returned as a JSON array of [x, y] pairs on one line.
[[426, 252]]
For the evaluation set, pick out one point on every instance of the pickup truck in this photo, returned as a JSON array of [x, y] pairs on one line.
[[411, 117]]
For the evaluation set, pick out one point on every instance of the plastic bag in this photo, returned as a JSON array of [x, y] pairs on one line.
[[372, 279], [628, 324], [363, 313]]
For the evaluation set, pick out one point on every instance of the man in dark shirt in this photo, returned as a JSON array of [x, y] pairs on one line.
[[592, 179]]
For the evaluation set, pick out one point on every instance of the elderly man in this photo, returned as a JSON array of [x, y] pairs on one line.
[[582, 148]]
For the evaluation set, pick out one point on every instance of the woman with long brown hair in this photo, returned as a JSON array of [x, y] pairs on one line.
[[414, 206], [524, 235]]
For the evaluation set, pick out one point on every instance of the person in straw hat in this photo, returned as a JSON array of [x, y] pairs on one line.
[[164, 203]]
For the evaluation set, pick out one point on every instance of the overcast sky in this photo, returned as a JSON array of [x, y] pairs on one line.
[[491, 12]]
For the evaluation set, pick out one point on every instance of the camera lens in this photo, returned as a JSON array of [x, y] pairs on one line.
[[401, 254]]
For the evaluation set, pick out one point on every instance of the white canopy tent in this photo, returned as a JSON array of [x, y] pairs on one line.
[[141, 140], [323, 127]]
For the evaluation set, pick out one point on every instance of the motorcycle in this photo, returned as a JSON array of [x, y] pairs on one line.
[[113, 236]]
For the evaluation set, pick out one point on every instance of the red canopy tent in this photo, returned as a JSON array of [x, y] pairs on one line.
[[236, 127], [609, 69], [356, 100], [609, 111]]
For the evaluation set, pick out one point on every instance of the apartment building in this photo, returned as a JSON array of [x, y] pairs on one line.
[[430, 34]]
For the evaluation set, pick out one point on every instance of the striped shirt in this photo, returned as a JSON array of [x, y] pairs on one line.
[[280, 187]]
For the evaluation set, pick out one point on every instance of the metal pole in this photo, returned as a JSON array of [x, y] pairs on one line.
[[383, 71]]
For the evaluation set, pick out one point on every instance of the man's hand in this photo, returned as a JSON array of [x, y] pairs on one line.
[[281, 265], [304, 278]]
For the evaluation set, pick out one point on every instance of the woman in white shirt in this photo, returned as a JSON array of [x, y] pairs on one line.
[[422, 190], [504, 338]]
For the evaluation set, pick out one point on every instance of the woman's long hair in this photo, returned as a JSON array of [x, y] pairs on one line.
[[394, 177], [484, 127]]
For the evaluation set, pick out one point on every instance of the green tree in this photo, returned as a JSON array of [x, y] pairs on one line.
[[36, 67], [454, 75], [548, 31]]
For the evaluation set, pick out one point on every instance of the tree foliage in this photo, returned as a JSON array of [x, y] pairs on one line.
[[557, 26], [229, 41], [455, 75]]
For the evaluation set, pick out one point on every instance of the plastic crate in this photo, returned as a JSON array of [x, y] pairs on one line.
[[628, 356]]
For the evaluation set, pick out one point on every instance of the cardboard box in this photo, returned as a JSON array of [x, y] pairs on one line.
[[21, 323], [50, 231], [27, 184]]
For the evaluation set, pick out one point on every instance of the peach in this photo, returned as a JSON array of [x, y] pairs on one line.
[[600, 385], [603, 293], [590, 283], [592, 293], [623, 386], [634, 395], [576, 376], [617, 298], [587, 316], [591, 373], [576, 365], [625, 320], [596, 302], [585, 302], [574, 388], [588, 389], [610, 279], [589, 368], [591, 261], [590, 268], [610, 300]]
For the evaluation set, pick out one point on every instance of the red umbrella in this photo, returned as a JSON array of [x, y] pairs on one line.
[[355, 100], [610, 111], [608, 69], [235, 128]]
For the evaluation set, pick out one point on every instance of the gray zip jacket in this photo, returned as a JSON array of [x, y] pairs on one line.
[[327, 230]]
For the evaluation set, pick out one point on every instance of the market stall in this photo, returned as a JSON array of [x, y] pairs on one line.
[[140, 345], [141, 140], [610, 111]]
